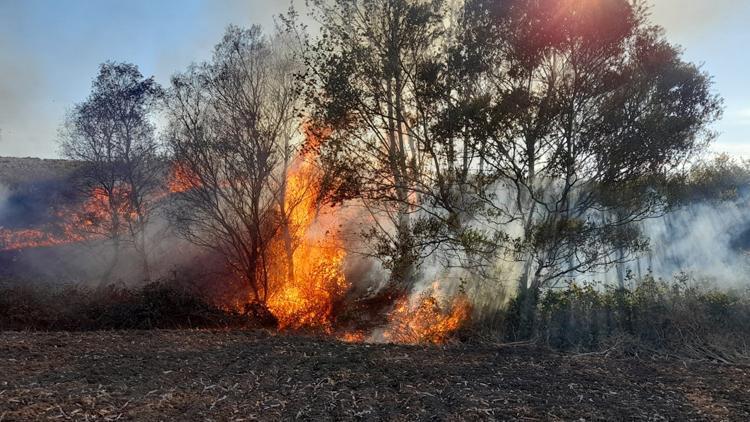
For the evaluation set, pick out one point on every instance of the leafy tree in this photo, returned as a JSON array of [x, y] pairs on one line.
[[535, 131], [368, 93], [589, 107], [721, 178]]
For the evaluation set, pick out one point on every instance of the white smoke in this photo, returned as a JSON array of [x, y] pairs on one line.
[[707, 241], [4, 195], [703, 240]]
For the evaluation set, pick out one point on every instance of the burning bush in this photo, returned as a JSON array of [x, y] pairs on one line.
[[427, 321]]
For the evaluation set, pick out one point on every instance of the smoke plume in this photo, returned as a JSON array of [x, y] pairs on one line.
[[708, 240]]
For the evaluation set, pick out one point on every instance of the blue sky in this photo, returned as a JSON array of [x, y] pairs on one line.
[[50, 50]]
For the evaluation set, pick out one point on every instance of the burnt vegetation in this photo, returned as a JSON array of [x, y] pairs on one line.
[[415, 172]]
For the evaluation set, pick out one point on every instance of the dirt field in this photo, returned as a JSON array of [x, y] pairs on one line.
[[200, 375]]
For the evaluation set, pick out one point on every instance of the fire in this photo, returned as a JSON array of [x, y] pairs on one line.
[[13, 240], [306, 257], [97, 211], [304, 295], [85, 222], [353, 337], [182, 179], [426, 321]]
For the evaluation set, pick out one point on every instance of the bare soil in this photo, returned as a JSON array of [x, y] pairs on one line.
[[255, 375]]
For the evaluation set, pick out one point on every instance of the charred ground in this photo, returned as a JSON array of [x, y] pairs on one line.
[[250, 375]]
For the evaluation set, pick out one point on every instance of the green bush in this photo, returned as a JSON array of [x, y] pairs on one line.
[[677, 317]]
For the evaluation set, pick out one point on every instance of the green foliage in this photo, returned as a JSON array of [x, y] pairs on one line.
[[718, 179], [679, 316], [561, 117]]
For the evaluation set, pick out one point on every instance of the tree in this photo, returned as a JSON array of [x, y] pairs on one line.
[[112, 134], [722, 178], [232, 127], [535, 131], [590, 108], [366, 93]]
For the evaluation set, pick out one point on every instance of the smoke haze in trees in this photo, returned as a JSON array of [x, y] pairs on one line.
[[708, 240]]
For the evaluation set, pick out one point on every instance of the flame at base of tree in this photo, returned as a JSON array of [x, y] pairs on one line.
[[426, 321], [308, 300], [304, 295]]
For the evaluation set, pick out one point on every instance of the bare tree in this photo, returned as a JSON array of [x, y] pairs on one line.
[[233, 123], [112, 134]]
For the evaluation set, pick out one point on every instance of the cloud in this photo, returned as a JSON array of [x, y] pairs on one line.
[[692, 18]]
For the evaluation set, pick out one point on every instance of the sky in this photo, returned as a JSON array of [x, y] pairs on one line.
[[50, 51]]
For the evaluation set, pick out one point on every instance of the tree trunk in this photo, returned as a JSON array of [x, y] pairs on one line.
[[146, 266], [107, 276], [526, 300], [289, 251], [286, 233]]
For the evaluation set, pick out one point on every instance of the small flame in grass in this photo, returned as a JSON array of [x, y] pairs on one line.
[[353, 337], [13, 240], [97, 212], [89, 221], [92, 219], [426, 321], [182, 179]]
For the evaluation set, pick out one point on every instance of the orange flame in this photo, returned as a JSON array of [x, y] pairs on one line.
[[90, 221], [427, 321], [353, 337], [305, 296], [307, 257], [13, 240], [182, 179]]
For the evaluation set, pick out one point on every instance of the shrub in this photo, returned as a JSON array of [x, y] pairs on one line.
[[156, 305], [673, 317]]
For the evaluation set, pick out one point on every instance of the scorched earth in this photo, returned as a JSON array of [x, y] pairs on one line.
[[255, 375]]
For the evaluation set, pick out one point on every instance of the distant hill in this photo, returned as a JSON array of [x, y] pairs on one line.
[[17, 173], [32, 188]]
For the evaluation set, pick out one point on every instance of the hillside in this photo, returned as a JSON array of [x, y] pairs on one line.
[[16, 172]]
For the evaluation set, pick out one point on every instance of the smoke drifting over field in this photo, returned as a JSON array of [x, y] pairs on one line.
[[703, 239], [708, 240]]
